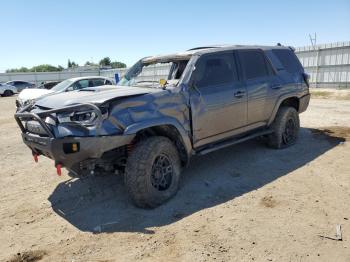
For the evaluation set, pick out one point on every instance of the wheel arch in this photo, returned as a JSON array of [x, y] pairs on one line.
[[288, 100], [166, 127]]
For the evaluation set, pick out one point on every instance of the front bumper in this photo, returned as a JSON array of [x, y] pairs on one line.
[[60, 148]]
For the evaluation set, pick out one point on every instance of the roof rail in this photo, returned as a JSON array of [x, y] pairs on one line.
[[202, 47]]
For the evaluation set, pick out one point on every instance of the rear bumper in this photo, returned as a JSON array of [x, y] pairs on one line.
[[58, 149], [304, 103]]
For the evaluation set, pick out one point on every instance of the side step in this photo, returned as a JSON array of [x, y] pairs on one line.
[[231, 142]]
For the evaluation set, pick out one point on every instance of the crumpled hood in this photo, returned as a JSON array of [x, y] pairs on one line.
[[33, 93], [96, 96]]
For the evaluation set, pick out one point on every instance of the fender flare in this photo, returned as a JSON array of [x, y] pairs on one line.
[[278, 104], [136, 127]]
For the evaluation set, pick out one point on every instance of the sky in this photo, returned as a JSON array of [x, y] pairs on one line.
[[51, 32]]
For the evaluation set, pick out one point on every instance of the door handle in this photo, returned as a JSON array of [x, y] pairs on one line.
[[239, 93]]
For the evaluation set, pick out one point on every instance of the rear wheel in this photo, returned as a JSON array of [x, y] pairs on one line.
[[8, 93], [285, 128], [152, 172]]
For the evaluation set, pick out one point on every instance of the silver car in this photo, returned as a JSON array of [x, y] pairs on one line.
[[28, 96], [7, 90], [20, 85]]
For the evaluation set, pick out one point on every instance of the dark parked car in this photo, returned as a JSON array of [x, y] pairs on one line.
[[48, 85], [149, 129], [20, 85]]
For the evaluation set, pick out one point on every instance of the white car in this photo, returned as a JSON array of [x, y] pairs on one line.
[[7, 90], [29, 96]]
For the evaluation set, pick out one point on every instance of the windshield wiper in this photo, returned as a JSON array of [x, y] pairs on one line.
[[147, 81]]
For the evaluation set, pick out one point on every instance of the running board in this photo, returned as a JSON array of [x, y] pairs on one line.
[[231, 142]]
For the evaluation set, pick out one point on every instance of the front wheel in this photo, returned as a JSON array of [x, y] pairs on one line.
[[8, 93], [152, 172], [285, 128]]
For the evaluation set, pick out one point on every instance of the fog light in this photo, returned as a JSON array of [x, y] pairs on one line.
[[70, 148], [74, 147]]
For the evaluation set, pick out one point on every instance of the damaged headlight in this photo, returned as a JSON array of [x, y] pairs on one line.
[[88, 117]]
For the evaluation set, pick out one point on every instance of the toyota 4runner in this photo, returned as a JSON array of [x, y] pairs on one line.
[[150, 125]]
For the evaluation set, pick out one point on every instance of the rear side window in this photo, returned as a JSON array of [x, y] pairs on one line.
[[254, 64], [97, 82], [288, 59], [215, 69]]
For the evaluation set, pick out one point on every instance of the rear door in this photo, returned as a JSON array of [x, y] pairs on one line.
[[218, 98], [96, 82], [262, 85], [20, 85]]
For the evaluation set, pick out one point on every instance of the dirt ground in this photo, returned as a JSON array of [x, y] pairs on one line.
[[243, 203]]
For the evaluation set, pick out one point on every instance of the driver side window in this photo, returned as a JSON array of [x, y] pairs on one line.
[[215, 69]]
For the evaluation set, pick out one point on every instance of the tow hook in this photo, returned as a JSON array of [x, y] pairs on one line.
[[59, 169], [35, 156]]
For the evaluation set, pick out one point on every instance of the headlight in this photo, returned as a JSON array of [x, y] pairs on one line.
[[82, 117], [26, 102], [29, 101]]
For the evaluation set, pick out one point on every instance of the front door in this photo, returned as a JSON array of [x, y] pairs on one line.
[[218, 99]]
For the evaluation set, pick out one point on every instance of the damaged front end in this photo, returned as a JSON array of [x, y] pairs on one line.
[[74, 137]]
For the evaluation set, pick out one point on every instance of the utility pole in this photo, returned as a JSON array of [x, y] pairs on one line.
[[313, 43], [313, 40]]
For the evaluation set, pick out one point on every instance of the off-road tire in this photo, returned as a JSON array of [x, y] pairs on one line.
[[285, 128], [145, 166], [7, 93]]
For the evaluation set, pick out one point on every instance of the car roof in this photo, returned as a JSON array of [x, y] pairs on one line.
[[206, 49], [237, 47], [88, 77]]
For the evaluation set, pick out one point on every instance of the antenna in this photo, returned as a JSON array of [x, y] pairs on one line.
[[313, 40]]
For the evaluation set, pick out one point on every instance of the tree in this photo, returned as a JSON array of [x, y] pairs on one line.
[[38, 68], [71, 64], [88, 63], [18, 70], [105, 61], [117, 64], [45, 68]]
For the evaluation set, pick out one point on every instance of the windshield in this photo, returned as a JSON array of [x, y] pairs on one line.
[[62, 86], [148, 75]]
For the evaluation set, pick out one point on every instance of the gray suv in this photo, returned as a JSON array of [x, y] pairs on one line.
[[167, 109]]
